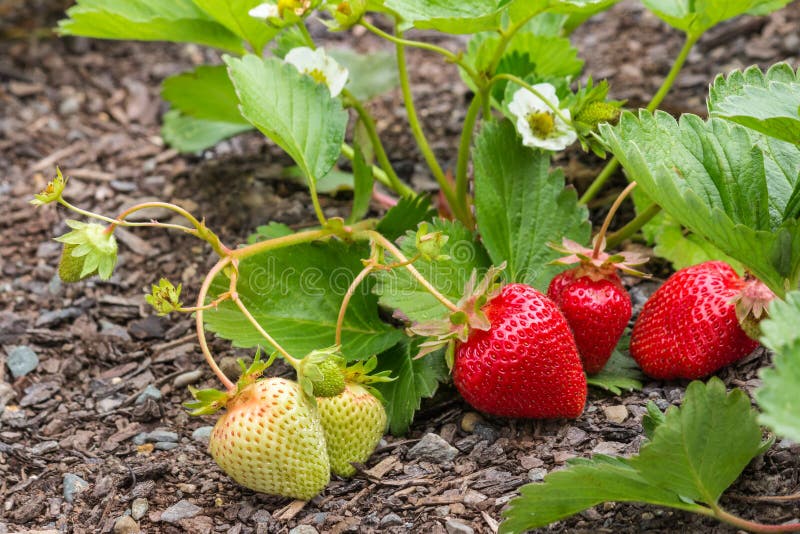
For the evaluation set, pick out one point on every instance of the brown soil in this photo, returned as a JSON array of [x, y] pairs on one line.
[[93, 108]]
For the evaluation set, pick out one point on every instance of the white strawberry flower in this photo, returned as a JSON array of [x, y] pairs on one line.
[[320, 66], [265, 11], [537, 123]]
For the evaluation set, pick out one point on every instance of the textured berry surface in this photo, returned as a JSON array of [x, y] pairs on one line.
[[270, 440], [526, 364], [688, 329], [332, 382], [70, 267], [354, 423], [597, 312]]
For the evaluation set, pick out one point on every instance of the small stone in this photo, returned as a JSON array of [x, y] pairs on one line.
[[125, 524], [537, 474], [21, 361], [469, 421], [150, 327], [391, 520], [433, 448], [165, 445], [474, 497], [139, 508], [186, 379], [44, 447], [530, 461], [150, 392], [108, 404], [188, 488], [73, 485], [122, 187], [304, 529], [486, 432], [202, 434], [616, 414], [230, 367], [454, 526], [182, 509]]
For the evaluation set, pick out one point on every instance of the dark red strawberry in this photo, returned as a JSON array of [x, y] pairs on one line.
[[689, 329], [591, 295], [525, 364], [597, 310]]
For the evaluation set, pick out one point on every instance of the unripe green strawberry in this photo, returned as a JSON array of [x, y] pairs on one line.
[[271, 440], [598, 112], [70, 267], [354, 422]]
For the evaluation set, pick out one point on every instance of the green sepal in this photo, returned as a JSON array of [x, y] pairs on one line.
[[252, 372], [52, 192], [165, 297], [207, 401], [88, 250]]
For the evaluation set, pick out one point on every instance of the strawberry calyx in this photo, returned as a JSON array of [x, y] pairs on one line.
[[209, 401], [470, 315], [595, 262], [752, 305], [362, 373]]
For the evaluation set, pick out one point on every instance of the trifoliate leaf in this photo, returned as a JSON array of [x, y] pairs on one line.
[[295, 294], [189, 134], [414, 381], [466, 16], [233, 14], [696, 452], [522, 206], [712, 178], [148, 20], [778, 395], [399, 290]]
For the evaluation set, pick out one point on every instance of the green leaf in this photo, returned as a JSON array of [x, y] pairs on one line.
[[712, 178], [271, 230], [189, 134], [295, 294], [652, 419], [370, 75], [399, 290], [332, 183], [204, 93], [696, 452], [522, 206], [405, 216], [694, 17], [362, 184], [682, 248], [148, 20], [765, 102], [466, 16], [292, 109], [522, 9], [777, 397], [233, 14], [621, 373], [414, 381]]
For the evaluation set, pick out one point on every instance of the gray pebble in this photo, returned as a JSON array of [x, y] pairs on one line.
[[44, 447], [21, 360], [150, 392], [165, 445], [139, 508], [182, 509], [202, 434], [453, 526], [108, 404], [537, 474], [391, 520], [125, 524], [486, 432], [434, 448], [157, 435], [122, 187], [73, 485], [304, 529], [186, 379]]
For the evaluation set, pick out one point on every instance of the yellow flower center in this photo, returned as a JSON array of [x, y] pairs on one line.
[[542, 124], [318, 76]]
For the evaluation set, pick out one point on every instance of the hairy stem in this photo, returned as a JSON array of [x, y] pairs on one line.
[[394, 251], [346, 300], [118, 222], [611, 212], [632, 227], [380, 152], [666, 85], [201, 334]]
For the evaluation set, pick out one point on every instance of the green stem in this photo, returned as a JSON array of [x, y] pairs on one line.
[[464, 147], [306, 36], [380, 152], [632, 227], [666, 85], [529, 87], [400, 41], [459, 210], [378, 173], [346, 300], [505, 38]]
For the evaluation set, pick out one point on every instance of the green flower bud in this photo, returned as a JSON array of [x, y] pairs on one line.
[[598, 112], [164, 297], [429, 245], [88, 250]]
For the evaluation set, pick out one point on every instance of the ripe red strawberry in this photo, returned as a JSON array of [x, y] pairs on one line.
[[688, 328], [526, 363], [271, 440], [597, 309], [354, 422], [591, 295]]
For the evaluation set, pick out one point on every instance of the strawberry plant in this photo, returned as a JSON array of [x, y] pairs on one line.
[[374, 313]]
